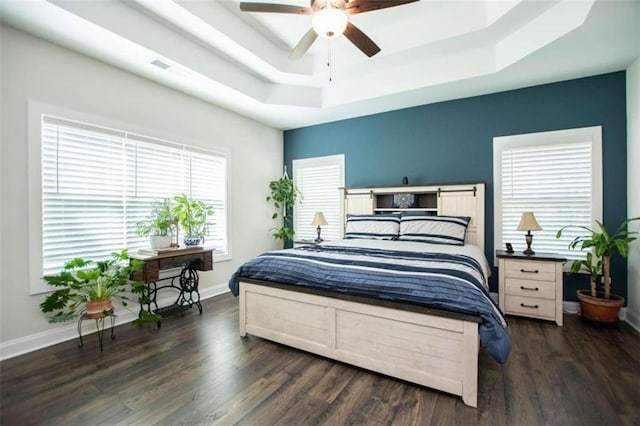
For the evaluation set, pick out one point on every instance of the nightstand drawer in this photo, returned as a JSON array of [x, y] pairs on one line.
[[530, 270], [529, 288], [530, 306]]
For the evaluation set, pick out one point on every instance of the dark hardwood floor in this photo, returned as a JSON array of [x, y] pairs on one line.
[[196, 370]]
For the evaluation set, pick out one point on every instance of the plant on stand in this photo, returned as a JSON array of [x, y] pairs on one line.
[[284, 195], [192, 216], [159, 225], [594, 305], [83, 287]]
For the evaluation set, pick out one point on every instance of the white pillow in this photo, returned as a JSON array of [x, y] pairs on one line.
[[373, 226], [434, 229]]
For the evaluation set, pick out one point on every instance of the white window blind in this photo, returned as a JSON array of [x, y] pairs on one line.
[[98, 183], [319, 180], [556, 176]]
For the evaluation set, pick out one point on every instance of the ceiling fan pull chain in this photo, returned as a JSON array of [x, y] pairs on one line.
[[329, 62]]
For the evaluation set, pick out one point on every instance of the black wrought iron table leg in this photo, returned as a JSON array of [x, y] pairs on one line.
[[80, 344], [100, 328], [189, 280], [113, 330]]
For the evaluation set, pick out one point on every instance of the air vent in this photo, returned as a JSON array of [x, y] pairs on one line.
[[162, 65]]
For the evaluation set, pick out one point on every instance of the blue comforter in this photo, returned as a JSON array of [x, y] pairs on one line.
[[452, 282]]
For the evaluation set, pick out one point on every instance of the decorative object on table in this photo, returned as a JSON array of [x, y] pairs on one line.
[[405, 180], [192, 217], [284, 195], [509, 247], [595, 305], [160, 225], [404, 201], [319, 220], [83, 282], [528, 223]]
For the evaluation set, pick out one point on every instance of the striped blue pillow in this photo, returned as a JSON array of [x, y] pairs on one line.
[[384, 226], [434, 229]]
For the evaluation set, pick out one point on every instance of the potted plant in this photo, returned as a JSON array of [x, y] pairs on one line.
[[159, 225], [594, 305], [83, 287], [192, 217], [284, 195]]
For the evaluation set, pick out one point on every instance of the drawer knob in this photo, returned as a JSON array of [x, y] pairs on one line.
[[529, 288], [526, 271], [529, 306]]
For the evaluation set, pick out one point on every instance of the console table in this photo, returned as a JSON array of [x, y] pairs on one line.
[[190, 260]]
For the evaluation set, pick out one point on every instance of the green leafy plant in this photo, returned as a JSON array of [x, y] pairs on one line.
[[601, 244], [161, 220], [82, 281], [284, 195], [191, 215]]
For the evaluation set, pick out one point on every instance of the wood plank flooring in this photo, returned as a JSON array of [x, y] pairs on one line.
[[196, 370]]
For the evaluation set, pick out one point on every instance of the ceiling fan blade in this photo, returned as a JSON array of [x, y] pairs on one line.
[[303, 45], [274, 8], [360, 6], [361, 40]]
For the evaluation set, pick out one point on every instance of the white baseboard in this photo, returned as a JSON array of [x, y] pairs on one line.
[[57, 335], [572, 308], [43, 339], [633, 319]]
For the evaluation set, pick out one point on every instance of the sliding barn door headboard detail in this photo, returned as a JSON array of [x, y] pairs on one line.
[[465, 199]]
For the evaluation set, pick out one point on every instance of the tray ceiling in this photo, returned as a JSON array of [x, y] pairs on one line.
[[431, 50]]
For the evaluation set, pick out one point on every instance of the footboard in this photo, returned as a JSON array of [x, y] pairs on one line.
[[439, 352]]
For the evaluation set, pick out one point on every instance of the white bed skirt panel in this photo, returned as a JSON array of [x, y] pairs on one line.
[[439, 352]]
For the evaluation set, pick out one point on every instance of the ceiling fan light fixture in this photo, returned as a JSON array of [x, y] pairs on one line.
[[329, 22]]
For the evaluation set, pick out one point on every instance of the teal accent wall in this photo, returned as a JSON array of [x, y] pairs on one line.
[[452, 142]]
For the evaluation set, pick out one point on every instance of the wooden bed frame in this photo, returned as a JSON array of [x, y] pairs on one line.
[[430, 347]]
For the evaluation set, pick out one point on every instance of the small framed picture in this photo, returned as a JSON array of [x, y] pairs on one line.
[[509, 247]]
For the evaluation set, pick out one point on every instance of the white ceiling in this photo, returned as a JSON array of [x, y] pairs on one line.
[[432, 50]]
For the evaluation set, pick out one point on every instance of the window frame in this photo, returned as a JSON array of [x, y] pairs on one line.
[[565, 136], [338, 159], [35, 112]]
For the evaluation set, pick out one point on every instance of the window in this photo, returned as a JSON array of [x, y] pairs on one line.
[[557, 175], [319, 180], [97, 183]]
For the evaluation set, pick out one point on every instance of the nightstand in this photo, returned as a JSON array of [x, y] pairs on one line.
[[531, 286], [299, 243]]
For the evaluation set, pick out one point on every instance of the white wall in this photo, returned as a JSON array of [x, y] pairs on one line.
[[33, 69], [633, 190]]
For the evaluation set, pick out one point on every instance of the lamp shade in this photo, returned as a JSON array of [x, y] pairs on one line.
[[528, 222], [319, 220]]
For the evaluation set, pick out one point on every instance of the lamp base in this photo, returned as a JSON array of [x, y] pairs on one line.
[[318, 240], [528, 239]]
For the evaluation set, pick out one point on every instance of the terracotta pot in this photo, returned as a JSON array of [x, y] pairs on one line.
[[599, 309], [95, 309]]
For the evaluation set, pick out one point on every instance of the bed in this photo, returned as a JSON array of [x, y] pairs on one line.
[[412, 309]]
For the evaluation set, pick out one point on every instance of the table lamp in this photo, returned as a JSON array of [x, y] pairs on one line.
[[528, 223], [319, 220]]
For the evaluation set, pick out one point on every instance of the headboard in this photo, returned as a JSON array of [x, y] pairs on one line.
[[466, 199]]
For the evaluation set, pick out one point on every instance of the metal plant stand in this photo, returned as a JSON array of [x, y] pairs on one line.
[[99, 327]]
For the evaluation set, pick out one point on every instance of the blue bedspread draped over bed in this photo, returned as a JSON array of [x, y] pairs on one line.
[[451, 282]]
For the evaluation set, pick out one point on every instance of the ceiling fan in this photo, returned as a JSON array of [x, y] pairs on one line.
[[330, 20]]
